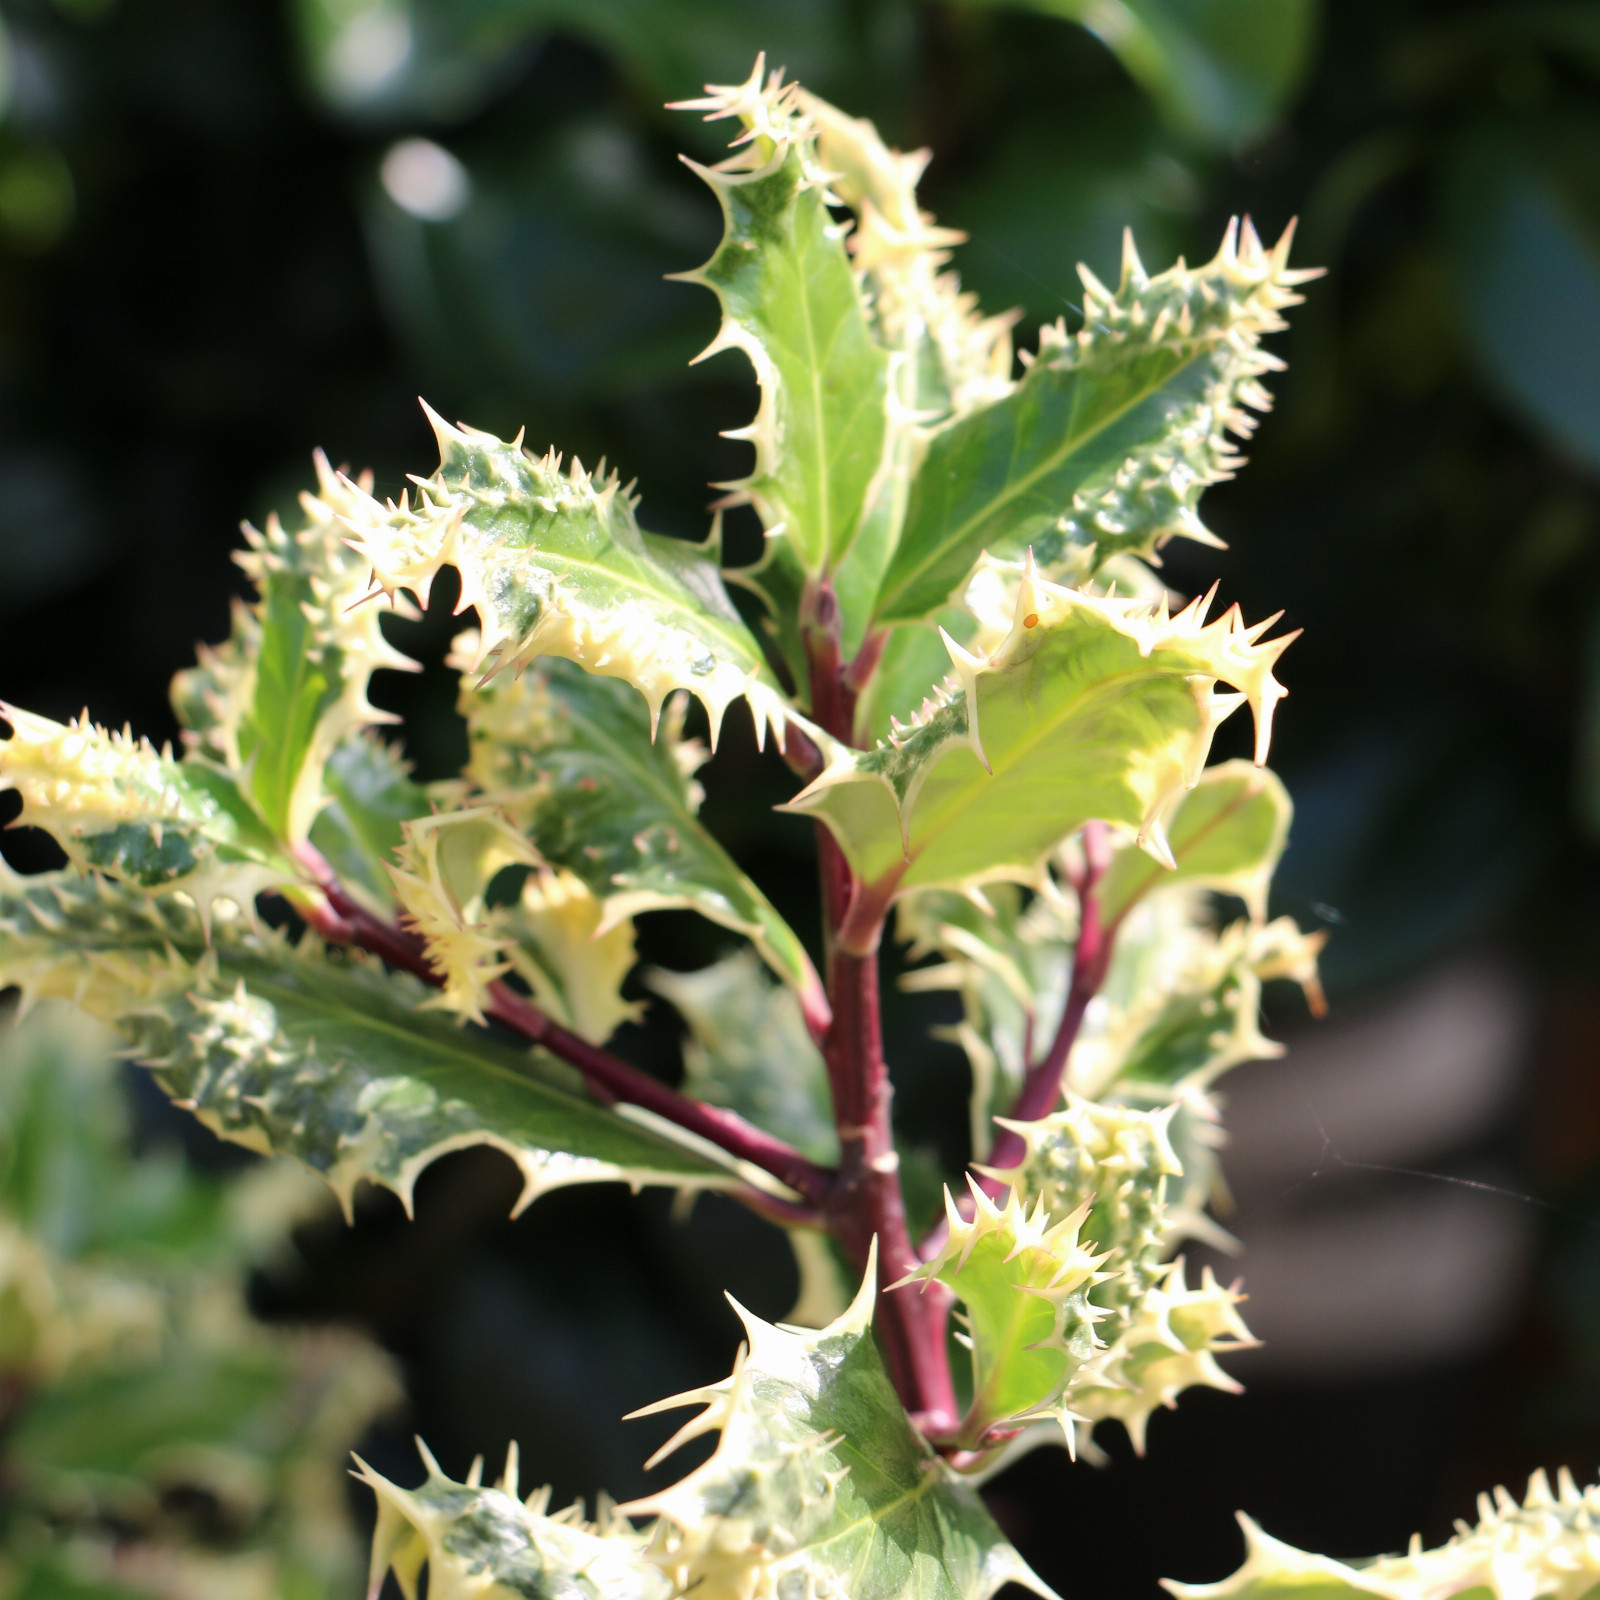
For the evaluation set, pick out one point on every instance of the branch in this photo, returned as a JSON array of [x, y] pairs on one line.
[[866, 1202], [1041, 1089], [610, 1079]]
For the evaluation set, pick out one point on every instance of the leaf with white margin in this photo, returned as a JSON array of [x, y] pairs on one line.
[[290, 684], [819, 1484], [1227, 834], [117, 805], [1091, 707], [1023, 1277], [480, 1543], [568, 756], [1544, 1547], [1107, 443], [323, 1057], [556, 564], [790, 301]]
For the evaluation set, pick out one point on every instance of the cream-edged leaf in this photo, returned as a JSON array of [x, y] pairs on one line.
[[321, 1057], [819, 1483], [484, 1543], [568, 756], [556, 564], [1091, 707], [290, 684], [116, 804], [1542, 1547], [1108, 441], [790, 301], [1227, 834], [1023, 1277], [359, 831]]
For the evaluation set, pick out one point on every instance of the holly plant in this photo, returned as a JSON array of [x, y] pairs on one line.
[[998, 720]]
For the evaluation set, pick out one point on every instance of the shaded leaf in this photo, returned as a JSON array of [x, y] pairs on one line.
[[568, 756]]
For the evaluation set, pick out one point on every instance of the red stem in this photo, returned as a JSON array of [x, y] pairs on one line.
[[609, 1077], [1041, 1089], [866, 1202]]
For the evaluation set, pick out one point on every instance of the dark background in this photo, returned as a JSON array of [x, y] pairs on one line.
[[203, 275]]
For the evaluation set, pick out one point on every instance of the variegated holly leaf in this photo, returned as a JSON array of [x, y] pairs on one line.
[[1091, 707], [1227, 834], [290, 685], [1111, 436], [478, 1543], [568, 756], [1545, 1547], [819, 1483], [116, 804], [556, 564], [359, 831], [310, 1054], [791, 303], [1023, 1280], [748, 1049]]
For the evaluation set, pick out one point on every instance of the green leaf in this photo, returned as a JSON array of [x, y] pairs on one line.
[[113, 803], [477, 1542], [1022, 1278], [1107, 443], [290, 684], [819, 1479], [1221, 70], [1227, 834], [568, 756], [67, 1174], [1523, 229], [556, 565], [359, 829], [322, 1058], [791, 303], [749, 1049], [1090, 708], [1542, 1547]]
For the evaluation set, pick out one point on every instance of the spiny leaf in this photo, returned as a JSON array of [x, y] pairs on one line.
[[441, 879], [1107, 443], [326, 1059], [1227, 834], [568, 756], [291, 683], [486, 1544], [820, 1482], [1090, 708], [572, 960], [790, 302], [1023, 1279], [116, 804], [1168, 1342], [1543, 1547], [748, 1049], [555, 564], [370, 795]]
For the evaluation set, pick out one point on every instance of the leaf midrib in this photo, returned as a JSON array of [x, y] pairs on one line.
[[1019, 486]]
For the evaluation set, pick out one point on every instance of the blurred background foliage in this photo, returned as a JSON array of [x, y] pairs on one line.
[[233, 229]]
